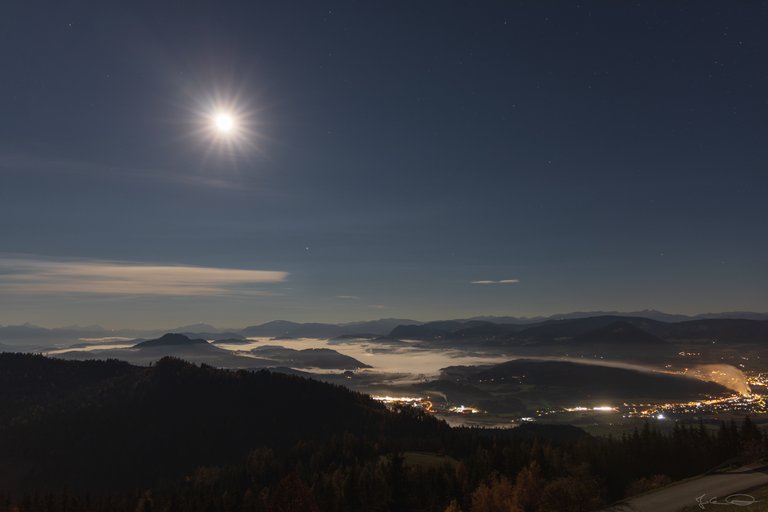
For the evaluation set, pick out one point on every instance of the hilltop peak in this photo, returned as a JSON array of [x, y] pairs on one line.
[[170, 339]]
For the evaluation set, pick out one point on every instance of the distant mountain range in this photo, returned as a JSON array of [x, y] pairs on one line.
[[597, 330], [28, 334], [645, 313], [282, 328], [744, 326]]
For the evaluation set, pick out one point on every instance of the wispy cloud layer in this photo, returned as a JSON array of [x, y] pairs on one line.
[[500, 281], [37, 276], [348, 297], [44, 165]]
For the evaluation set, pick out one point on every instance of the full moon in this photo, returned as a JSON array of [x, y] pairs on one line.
[[224, 123]]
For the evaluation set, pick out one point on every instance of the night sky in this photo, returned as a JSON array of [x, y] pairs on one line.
[[390, 159]]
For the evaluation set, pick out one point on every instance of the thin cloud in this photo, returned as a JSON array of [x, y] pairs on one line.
[[348, 297], [500, 281], [377, 306], [44, 164], [31, 276]]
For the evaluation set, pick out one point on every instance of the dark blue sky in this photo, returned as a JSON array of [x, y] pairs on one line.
[[606, 155]]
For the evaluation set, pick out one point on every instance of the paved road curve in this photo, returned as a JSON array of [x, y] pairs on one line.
[[717, 485]]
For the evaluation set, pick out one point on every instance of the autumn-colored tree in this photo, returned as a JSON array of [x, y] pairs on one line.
[[453, 506], [495, 496], [528, 487], [292, 495], [571, 494]]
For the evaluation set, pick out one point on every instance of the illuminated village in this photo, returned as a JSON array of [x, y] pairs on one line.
[[752, 402]]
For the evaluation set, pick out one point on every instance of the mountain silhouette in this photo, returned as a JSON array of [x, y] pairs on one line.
[[171, 340], [619, 332]]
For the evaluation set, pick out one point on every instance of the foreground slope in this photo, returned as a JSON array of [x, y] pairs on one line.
[[108, 424], [105, 436]]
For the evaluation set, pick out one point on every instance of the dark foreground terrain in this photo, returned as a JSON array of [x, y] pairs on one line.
[[108, 436]]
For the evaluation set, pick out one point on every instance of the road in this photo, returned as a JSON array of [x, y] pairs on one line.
[[714, 486]]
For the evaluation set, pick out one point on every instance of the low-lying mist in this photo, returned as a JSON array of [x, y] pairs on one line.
[[723, 374]]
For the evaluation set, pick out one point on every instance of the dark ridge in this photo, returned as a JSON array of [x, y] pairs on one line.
[[279, 328], [239, 341], [620, 332], [171, 339], [106, 425], [722, 330], [596, 380], [311, 357], [564, 329], [419, 332]]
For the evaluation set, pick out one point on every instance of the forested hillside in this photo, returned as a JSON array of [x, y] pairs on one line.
[[107, 436]]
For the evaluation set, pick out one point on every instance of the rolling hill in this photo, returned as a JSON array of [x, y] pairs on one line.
[[579, 380], [110, 426]]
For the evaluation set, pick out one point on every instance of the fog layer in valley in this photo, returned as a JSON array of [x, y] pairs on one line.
[[411, 360]]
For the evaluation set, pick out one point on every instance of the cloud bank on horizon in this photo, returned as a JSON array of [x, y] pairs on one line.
[[41, 276], [499, 281]]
